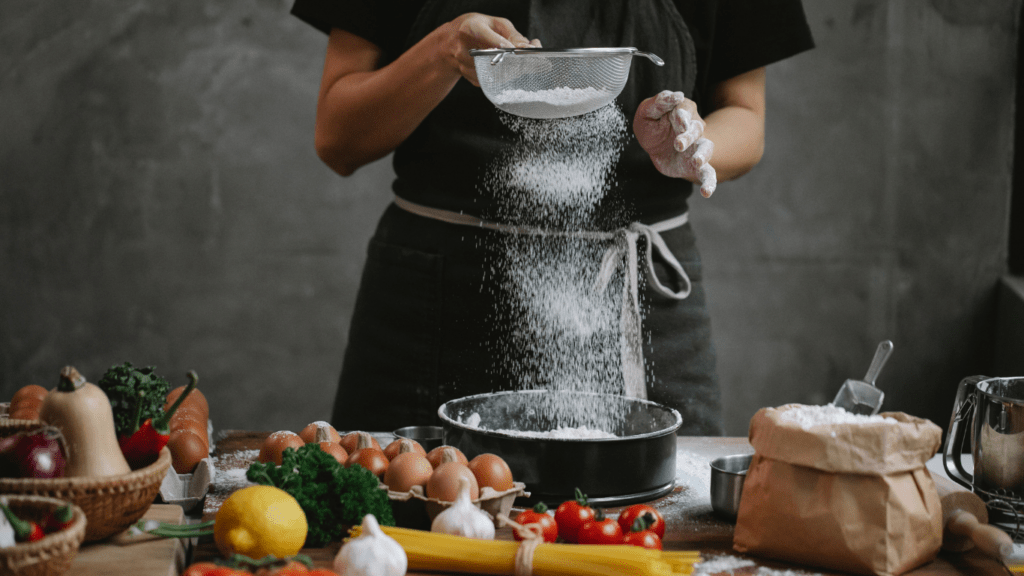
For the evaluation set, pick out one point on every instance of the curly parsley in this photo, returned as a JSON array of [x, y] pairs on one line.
[[126, 387], [331, 495]]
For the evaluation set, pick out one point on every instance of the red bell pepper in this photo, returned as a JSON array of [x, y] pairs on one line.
[[24, 530], [143, 446], [59, 519]]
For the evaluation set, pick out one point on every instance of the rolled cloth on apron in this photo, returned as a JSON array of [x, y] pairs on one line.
[[423, 332]]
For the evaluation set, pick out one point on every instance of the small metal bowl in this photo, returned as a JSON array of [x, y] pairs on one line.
[[727, 476], [429, 437]]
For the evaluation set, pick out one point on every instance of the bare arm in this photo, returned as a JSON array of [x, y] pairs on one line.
[[737, 124], [365, 112]]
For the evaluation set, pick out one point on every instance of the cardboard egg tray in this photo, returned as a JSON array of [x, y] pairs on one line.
[[413, 509]]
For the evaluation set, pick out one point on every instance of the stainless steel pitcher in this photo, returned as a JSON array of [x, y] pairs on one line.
[[994, 407]]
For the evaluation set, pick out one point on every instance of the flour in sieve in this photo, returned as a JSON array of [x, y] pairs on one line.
[[807, 417], [552, 103]]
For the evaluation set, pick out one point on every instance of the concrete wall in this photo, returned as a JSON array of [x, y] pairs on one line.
[[161, 202]]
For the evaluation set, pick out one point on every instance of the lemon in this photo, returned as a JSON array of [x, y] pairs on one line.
[[260, 520]]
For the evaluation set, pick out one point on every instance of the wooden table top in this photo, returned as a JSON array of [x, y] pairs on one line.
[[691, 523]]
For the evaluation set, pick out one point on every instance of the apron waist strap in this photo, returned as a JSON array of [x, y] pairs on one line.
[[624, 252]]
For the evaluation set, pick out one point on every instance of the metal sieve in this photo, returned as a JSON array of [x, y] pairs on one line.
[[544, 83]]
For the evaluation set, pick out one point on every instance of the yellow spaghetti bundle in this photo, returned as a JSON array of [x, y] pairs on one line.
[[432, 551]]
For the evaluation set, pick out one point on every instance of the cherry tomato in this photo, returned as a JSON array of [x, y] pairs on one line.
[[643, 538], [209, 569], [571, 515], [630, 514], [600, 530], [322, 572], [538, 515]]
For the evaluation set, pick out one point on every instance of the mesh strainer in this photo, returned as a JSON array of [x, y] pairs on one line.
[[543, 83]]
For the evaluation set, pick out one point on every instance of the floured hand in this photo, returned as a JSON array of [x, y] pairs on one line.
[[671, 130]]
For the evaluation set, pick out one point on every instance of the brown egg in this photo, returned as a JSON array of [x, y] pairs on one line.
[[33, 392], [195, 398], [373, 459], [443, 454], [187, 449], [443, 484], [189, 419], [356, 440], [308, 434], [403, 445], [406, 470], [273, 447], [334, 449], [491, 470]]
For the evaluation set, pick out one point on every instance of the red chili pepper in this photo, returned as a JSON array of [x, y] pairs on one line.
[[143, 446], [59, 519], [24, 530]]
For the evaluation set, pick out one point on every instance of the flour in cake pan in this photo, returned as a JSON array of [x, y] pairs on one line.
[[230, 476], [563, 432], [807, 417]]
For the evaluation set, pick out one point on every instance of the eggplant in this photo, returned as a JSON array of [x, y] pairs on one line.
[[35, 454]]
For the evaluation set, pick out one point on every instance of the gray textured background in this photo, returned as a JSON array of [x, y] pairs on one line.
[[161, 202]]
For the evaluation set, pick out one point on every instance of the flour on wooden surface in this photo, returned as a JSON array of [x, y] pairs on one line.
[[231, 469]]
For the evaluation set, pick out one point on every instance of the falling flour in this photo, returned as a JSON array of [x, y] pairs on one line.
[[807, 417], [565, 333]]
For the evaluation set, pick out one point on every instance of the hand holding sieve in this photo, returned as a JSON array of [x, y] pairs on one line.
[[554, 83]]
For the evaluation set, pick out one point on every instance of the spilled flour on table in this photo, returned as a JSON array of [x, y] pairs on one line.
[[727, 564], [229, 477]]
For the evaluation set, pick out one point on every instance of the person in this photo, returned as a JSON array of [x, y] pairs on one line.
[[398, 77]]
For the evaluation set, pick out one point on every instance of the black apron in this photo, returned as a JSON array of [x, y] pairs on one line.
[[423, 330]]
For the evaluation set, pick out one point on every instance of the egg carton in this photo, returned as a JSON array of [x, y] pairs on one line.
[[188, 490], [413, 509]]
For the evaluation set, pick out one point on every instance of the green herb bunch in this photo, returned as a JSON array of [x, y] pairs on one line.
[[127, 387], [331, 495]]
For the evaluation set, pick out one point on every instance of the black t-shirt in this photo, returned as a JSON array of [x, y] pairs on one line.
[[730, 37]]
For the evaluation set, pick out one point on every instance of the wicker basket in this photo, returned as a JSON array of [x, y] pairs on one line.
[[111, 503], [53, 554]]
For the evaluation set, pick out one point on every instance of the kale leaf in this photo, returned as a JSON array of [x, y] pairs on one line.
[[126, 387], [331, 495]]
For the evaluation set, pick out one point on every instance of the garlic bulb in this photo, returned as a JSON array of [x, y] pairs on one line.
[[373, 553], [462, 518]]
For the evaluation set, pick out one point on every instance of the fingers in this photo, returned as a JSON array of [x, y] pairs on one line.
[[700, 159], [708, 181], [481, 30], [504, 27], [687, 125], [663, 103]]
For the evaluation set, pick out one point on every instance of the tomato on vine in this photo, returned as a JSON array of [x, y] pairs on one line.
[[538, 515], [600, 530], [641, 533], [630, 514], [571, 515]]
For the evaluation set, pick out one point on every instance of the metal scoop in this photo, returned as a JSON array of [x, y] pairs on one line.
[[861, 396]]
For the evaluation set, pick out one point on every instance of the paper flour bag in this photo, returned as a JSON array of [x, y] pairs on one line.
[[841, 491]]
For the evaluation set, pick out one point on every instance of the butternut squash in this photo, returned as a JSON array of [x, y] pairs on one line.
[[82, 412]]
